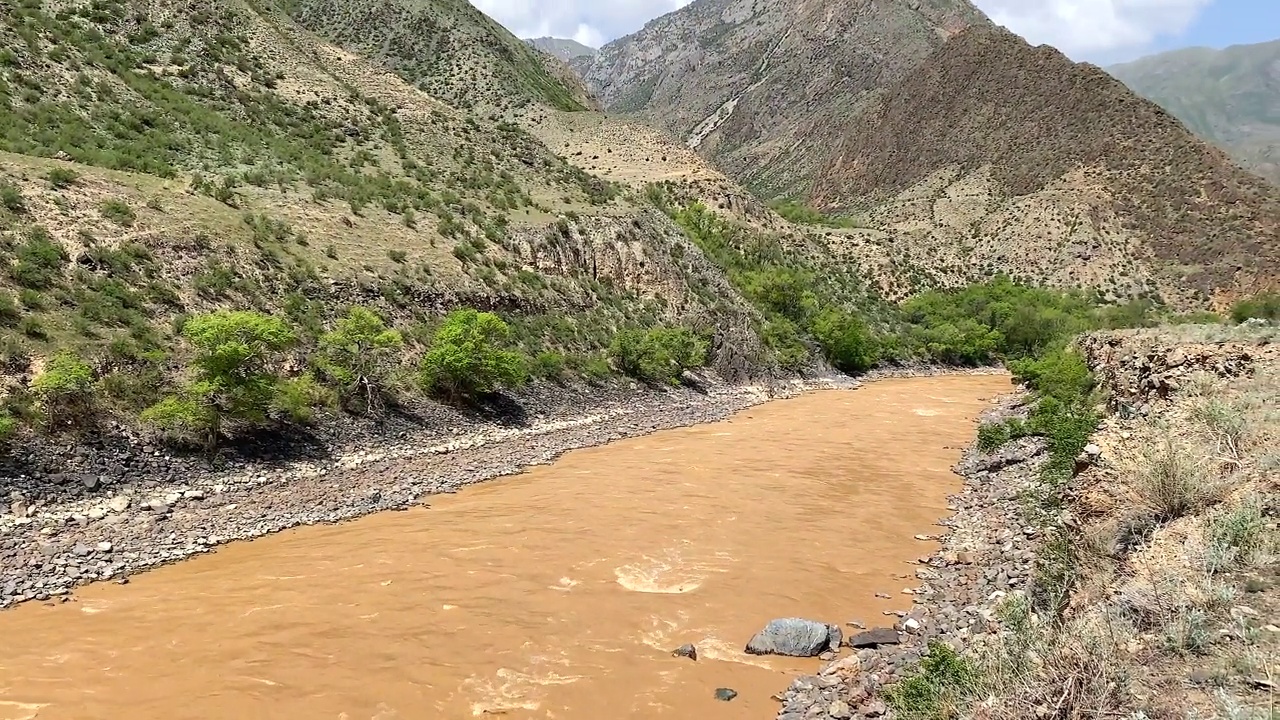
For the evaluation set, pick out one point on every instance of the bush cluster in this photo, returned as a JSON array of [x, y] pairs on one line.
[[660, 354]]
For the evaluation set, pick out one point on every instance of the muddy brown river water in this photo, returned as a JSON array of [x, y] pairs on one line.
[[558, 593]]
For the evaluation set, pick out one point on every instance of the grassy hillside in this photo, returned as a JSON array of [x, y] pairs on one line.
[[160, 163], [1230, 97], [447, 48]]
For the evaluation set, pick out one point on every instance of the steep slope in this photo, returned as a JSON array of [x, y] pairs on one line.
[[1230, 97], [563, 48], [759, 86], [158, 162], [447, 48], [994, 155]]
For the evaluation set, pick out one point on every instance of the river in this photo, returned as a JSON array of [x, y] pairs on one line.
[[557, 593]]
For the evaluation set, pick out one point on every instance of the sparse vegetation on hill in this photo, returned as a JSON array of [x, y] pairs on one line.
[[1151, 583], [1226, 96], [995, 152]]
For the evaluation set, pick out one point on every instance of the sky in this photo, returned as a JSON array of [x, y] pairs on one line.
[[1099, 31]]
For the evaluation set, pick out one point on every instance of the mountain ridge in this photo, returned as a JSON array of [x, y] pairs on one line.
[[1111, 169], [1229, 96], [564, 48], [742, 81]]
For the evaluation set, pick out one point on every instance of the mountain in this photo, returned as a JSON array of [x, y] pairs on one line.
[[761, 87], [1230, 97], [563, 48], [296, 158], [446, 48], [994, 155]]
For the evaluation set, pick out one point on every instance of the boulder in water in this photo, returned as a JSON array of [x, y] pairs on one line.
[[686, 650], [794, 637], [875, 638]]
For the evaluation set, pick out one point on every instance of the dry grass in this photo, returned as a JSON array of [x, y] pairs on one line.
[[1170, 615]]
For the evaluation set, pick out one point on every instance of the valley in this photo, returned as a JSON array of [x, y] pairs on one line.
[[282, 263]]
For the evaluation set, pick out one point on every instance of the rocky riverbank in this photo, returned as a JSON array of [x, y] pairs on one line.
[[1163, 546], [87, 527], [985, 554]]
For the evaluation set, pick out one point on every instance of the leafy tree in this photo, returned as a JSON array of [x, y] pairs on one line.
[[359, 354], [65, 389], [847, 342], [234, 376], [659, 354], [469, 355]]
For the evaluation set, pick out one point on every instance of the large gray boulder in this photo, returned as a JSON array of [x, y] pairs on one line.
[[795, 637]]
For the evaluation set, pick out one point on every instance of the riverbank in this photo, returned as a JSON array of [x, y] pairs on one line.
[[1158, 558], [50, 545], [985, 553], [54, 538]]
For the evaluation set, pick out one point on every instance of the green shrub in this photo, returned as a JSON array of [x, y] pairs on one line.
[[234, 369], [33, 328], [8, 427], [183, 419], [805, 215], [782, 290], [594, 369], [989, 321], [65, 390], [39, 261], [783, 338], [470, 355], [549, 365], [297, 399], [11, 198], [846, 341], [941, 684], [118, 211], [10, 313], [1060, 374], [660, 354], [358, 355], [1265, 306], [61, 178], [31, 299], [994, 435], [397, 256]]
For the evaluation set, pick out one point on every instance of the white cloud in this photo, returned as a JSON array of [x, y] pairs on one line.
[[1095, 28], [1088, 29], [591, 22]]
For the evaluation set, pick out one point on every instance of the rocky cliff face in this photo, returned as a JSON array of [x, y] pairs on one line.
[[1012, 136], [759, 86]]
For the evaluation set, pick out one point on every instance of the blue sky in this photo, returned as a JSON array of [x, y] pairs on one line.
[[1100, 31], [1232, 22]]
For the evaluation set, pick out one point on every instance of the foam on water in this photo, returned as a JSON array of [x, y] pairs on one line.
[[511, 690], [12, 710]]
